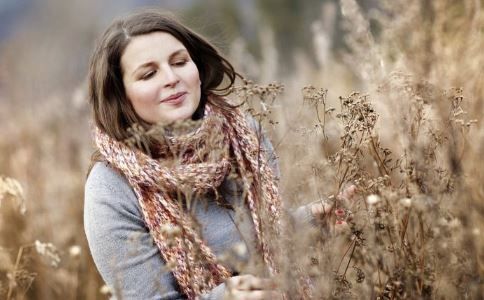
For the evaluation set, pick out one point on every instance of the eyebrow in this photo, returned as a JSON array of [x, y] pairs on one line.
[[146, 64]]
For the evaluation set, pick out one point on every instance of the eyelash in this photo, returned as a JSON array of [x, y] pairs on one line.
[[149, 74], [180, 63]]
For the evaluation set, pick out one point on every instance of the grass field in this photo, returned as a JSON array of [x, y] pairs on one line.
[[398, 113]]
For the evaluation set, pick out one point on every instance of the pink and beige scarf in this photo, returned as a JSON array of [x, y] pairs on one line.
[[202, 164]]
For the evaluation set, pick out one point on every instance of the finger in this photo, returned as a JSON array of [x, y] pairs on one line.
[[339, 212]]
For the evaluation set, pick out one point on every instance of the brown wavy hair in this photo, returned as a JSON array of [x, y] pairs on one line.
[[111, 109]]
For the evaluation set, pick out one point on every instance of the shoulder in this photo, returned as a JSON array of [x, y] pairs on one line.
[[102, 172], [104, 178], [107, 189]]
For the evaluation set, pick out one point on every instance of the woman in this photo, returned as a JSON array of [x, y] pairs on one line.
[[160, 213]]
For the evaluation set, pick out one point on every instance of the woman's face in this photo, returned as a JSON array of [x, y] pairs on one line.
[[160, 78]]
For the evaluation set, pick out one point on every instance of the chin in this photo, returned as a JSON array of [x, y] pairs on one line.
[[181, 117]]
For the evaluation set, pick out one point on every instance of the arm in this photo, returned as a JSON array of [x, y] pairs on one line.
[[121, 246], [307, 215]]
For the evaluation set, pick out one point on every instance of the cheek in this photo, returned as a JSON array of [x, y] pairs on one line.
[[192, 77], [142, 94]]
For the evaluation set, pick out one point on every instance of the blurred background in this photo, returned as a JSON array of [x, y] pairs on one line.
[[45, 139], [44, 118]]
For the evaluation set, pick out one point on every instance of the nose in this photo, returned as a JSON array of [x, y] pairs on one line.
[[170, 78]]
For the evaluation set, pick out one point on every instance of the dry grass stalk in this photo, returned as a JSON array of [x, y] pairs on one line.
[[411, 141]]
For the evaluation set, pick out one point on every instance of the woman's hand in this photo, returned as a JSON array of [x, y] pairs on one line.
[[334, 213], [250, 287]]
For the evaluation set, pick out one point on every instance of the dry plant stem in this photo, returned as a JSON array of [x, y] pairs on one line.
[[349, 260], [17, 263], [381, 165], [76, 283], [379, 276], [421, 227], [285, 132], [350, 244], [322, 123], [343, 178], [391, 238], [258, 171], [405, 226]]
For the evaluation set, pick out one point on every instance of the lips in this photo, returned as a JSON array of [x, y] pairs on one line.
[[175, 98]]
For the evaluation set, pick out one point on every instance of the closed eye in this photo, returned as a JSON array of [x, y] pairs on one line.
[[180, 63], [148, 75]]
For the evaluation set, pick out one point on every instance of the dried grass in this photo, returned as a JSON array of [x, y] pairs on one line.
[[411, 141]]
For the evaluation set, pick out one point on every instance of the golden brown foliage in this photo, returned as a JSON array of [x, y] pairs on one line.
[[411, 140]]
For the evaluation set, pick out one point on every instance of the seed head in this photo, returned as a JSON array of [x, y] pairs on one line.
[[75, 251], [372, 199]]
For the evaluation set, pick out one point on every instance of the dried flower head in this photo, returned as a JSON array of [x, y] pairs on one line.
[[106, 290], [49, 251], [75, 251], [11, 187], [372, 199]]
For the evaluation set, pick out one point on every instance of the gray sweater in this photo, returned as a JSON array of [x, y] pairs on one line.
[[122, 247]]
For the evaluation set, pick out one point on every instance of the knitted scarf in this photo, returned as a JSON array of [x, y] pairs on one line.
[[201, 167]]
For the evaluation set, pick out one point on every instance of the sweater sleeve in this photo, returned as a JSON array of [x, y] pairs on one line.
[[120, 243]]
